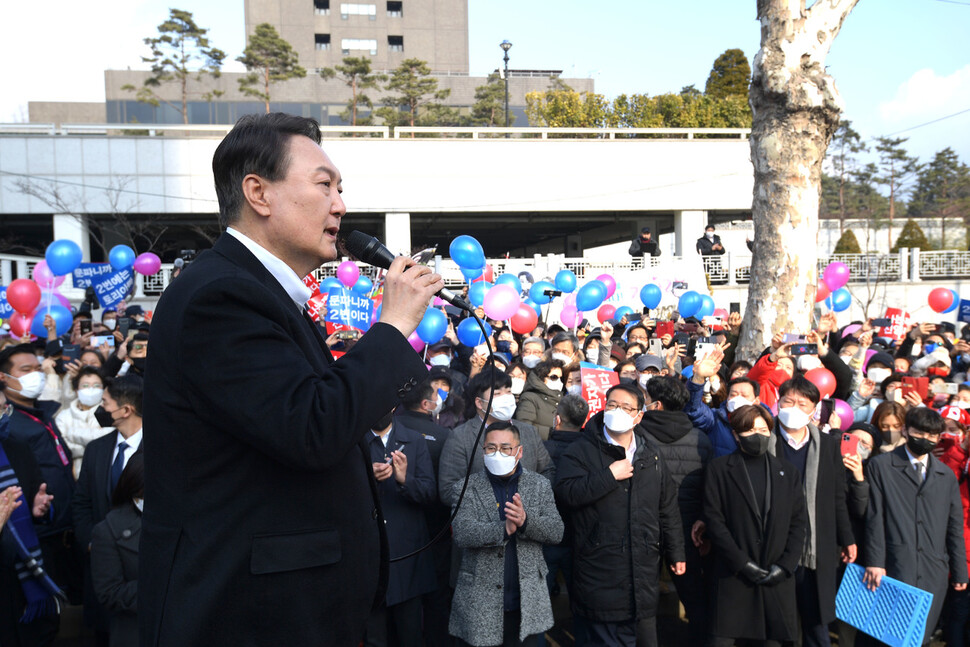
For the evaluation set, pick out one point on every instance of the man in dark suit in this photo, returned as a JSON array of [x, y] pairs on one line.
[[262, 524]]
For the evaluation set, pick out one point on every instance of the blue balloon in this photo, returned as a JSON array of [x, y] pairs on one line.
[[535, 306], [622, 311], [121, 256], [689, 304], [536, 292], [471, 274], [955, 304], [433, 326], [470, 334], [467, 252], [707, 307], [63, 257], [63, 319], [477, 291], [590, 296], [329, 283], [841, 300], [650, 295], [565, 281], [510, 279], [363, 286]]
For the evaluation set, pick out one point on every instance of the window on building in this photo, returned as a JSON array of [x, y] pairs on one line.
[[366, 44], [395, 9], [395, 43], [348, 9], [321, 41], [321, 7]]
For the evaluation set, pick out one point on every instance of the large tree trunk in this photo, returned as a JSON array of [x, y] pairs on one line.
[[796, 110]]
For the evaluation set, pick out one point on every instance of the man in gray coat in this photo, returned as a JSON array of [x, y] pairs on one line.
[[914, 523], [508, 513]]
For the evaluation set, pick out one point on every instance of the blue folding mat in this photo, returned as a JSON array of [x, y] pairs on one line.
[[895, 613]]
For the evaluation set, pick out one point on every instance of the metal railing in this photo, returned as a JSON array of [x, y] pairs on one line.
[[154, 130]]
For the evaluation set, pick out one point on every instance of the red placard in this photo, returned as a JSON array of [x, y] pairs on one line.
[[312, 283], [900, 326], [596, 382], [316, 305]]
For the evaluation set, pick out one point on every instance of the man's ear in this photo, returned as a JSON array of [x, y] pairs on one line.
[[255, 190]]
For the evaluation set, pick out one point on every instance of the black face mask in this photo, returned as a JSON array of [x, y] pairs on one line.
[[138, 363], [920, 446], [103, 417], [754, 444]]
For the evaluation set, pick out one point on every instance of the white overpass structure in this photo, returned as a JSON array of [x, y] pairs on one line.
[[514, 187]]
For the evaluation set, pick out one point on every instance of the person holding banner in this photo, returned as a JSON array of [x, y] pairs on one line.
[[262, 523]]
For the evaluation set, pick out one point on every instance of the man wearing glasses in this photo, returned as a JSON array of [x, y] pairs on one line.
[[507, 515], [621, 501]]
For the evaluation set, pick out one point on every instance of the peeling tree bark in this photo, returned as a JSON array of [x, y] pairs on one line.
[[796, 109]]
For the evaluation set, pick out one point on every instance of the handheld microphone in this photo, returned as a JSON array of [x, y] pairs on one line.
[[371, 251]]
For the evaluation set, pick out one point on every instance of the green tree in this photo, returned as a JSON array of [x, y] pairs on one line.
[[563, 107], [356, 74], [416, 90], [489, 106], [911, 236], [845, 145], [180, 51], [896, 171], [730, 76], [942, 190], [269, 59], [847, 244]]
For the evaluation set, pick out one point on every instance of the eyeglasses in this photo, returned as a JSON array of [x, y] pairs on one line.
[[613, 406], [506, 450]]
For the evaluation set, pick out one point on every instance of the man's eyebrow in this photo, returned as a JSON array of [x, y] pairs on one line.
[[329, 171]]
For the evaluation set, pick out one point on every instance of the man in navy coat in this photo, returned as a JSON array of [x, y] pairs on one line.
[[261, 524]]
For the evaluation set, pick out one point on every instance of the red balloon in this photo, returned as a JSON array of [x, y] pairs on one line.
[[823, 379], [524, 320], [605, 313], [20, 324], [23, 295], [822, 293], [488, 274], [940, 299]]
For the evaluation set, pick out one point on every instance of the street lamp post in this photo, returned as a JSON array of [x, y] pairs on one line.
[[506, 46]]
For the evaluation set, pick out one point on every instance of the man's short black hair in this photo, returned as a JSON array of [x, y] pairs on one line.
[[413, 399], [126, 389], [565, 336], [572, 410], [668, 391], [6, 355], [645, 330], [628, 388], [746, 380], [801, 386], [925, 419], [503, 425], [258, 144], [708, 227]]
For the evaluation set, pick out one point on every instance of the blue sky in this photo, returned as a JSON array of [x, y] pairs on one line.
[[897, 63]]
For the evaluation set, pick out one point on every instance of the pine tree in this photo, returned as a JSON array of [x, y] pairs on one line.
[[897, 169], [911, 236], [943, 190], [415, 90], [489, 106], [356, 74], [845, 145], [269, 59], [730, 76]]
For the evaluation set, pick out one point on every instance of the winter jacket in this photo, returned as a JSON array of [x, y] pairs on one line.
[[78, 429], [770, 378], [705, 247], [713, 422], [537, 405]]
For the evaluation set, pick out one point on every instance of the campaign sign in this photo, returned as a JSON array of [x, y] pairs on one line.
[[901, 321], [964, 311], [86, 274], [6, 310], [596, 382], [345, 307], [311, 282], [316, 303]]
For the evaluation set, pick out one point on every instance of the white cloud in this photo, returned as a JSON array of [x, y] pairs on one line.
[[926, 96]]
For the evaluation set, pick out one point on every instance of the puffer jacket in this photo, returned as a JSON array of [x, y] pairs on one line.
[[537, 405]]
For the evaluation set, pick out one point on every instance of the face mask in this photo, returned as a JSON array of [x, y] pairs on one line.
[[440, 360], [140, 504], [891, 437], [929, 348], [618, 421], [877, 375], [715, 384], [793, 418], [737, 401], [864, 452], [574, 389], [845, 358], [961, 404], [438, 404], [920, 446], [109, 324], [518, 385], [503, 406], [592, 355], [138, 363], [562, 357], [104, 418], [709, 235], [90, 396], [31, 384], [530, 361], [644, 378], [499, 464], [754, 444], [554, 385], [938, 371]]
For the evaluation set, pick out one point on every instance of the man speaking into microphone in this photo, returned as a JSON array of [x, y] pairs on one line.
[[261, 523]]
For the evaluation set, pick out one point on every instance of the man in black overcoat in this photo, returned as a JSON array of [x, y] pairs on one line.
[[261, 522]]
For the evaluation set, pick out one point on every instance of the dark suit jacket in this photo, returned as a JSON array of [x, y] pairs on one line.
[[114, 567], [261, 523]]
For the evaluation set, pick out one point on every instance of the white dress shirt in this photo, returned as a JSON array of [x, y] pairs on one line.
[[796, 445], [283, 273], [913, 461], [133, 442]]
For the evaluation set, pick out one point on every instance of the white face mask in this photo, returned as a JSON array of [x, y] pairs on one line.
[[709, 234], [618, 421], [503, 406], [562, 357], [439, 403], [499, 464], [592, 355], [554, 385], [961, 404], [644, 378], [877, 375], [140, 504], [530, 361], [440, 360], [793, 418], [518, 385], [737, 401], [715, 383], [90, 396], [846, 358], [575, 389], [110, 323], [31, 384]]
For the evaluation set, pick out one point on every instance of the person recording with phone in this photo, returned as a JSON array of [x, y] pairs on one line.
[[263, 522]]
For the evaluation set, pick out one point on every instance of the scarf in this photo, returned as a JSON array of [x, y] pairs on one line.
[[42, 594], [811, 485]]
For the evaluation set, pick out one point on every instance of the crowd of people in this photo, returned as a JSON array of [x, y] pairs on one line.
[[737, 482]]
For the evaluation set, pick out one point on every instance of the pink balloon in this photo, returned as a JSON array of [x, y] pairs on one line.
[[62, 300], [438, 302], [609, 282], [348, 273], [501, 302], [842, 409], [19, 324], [45, 278], [865, 363], [721, 312], [416, 342], [570, 317], [570, 301], [835, 275], [147, 264]]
